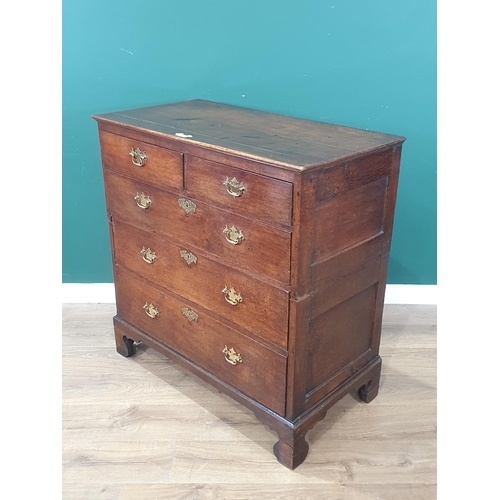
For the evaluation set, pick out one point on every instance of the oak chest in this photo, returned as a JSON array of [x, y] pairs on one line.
[[252, 248]]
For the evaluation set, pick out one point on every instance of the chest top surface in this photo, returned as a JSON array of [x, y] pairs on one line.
[[281, 140]]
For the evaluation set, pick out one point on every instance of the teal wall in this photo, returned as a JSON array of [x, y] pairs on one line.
[[363, 63]]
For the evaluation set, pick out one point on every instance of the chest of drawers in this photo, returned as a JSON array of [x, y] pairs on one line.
[[253, 249]]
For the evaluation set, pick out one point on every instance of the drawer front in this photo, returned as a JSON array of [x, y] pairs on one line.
[[245, 193], [263, 308], [258, 372], [145, 162], [263, 249]]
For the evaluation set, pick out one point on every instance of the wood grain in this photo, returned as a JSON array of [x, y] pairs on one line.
[[286, 141], [263, 310], [265, 249], [262, 372], [343, 196], [162, 168], [146, 428], [349, 218], [267, 199], [332, 350]]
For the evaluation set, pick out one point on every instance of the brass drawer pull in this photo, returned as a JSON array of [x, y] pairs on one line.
[[232, 296], [148, 255], [187, 205], [233, 187], [151, 310], [190, 314], [138, 157], [231, 357], [233, 236], [143, 201], [188, 257]]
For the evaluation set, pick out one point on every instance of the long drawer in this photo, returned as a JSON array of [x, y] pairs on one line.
[[239, 241], [231, 294], [252, 368]]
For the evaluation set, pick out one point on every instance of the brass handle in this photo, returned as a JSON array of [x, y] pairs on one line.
[[138, 157], [232, 296], [233, 187], [187, 205], [148, 255], [190, 314], [151, 310], [231, 357], [143, 201], [233, 236], [188, 257]]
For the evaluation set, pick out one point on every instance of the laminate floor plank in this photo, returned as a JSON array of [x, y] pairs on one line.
[[145, 428], [217, 491]]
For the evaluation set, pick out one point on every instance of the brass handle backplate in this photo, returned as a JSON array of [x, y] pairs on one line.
[[190, 314], [138, 157], [188, 257], [233, 236], [233, 187], [150, 309], [231, 357], [232, 296], [148, 255], [143, 201], [187, 205]]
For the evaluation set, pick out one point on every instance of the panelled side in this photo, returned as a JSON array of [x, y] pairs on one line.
[[351, 231]]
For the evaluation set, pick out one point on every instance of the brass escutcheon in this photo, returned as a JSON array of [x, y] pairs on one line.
[[233, 236], [188, 257], [232, 296], [143, 201], [150, 309], [190, 314], [138, 157], [148, 255], [233, 187], [231, 357], [187, 205]]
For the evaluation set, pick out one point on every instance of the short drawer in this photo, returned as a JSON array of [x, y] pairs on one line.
[[237, 241], [235, 296], [241, 362], [139, 160], [266, 199]]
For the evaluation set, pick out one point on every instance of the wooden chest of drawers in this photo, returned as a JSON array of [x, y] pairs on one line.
[[253, 249]]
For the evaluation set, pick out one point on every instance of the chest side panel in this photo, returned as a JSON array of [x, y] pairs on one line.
[[349, 232]]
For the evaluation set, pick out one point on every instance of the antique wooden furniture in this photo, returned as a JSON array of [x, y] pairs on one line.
[[252, 248]]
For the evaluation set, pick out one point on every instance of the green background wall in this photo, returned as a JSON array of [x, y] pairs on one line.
[[362, 63]]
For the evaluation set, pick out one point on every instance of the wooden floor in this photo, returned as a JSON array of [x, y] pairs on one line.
[[145, 429]]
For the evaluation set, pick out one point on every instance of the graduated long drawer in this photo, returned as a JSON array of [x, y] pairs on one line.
[[235, 296], [239, 241]]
